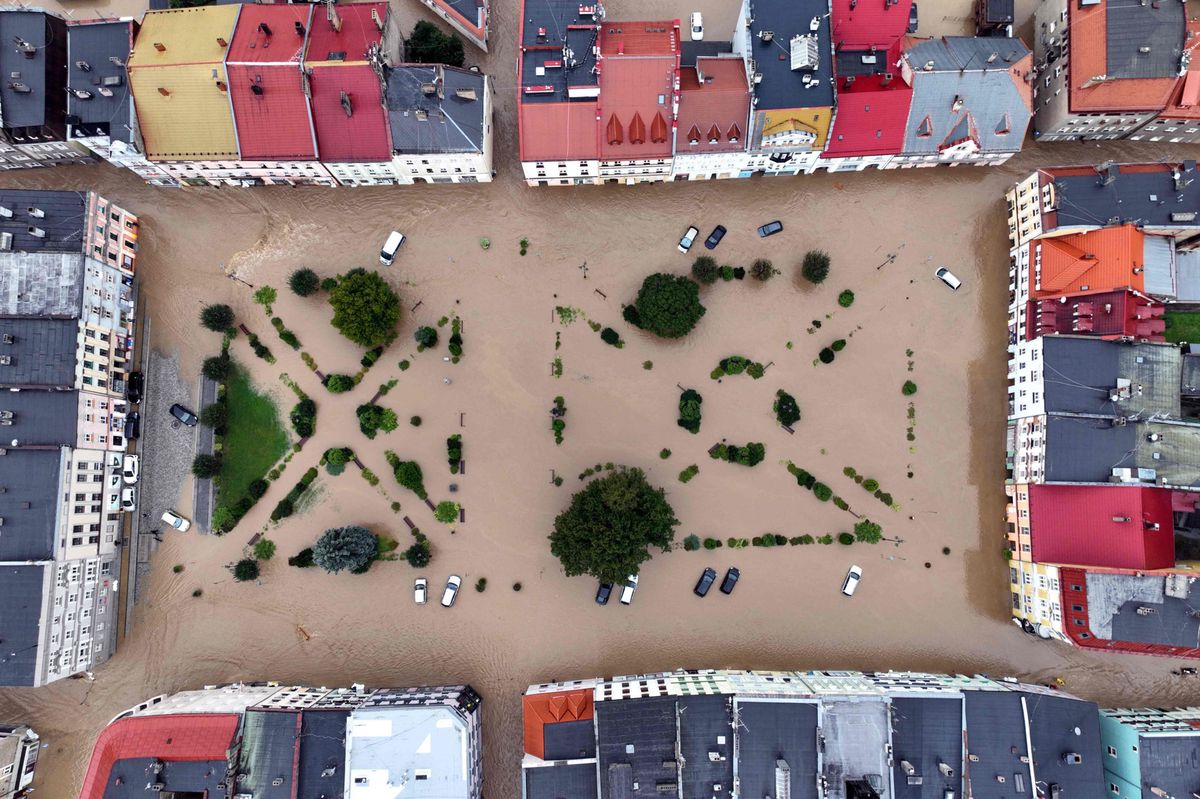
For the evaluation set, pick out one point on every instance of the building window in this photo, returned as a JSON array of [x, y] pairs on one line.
[[1113, 787], [1112, 751]]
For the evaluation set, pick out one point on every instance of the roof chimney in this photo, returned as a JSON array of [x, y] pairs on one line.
[[299, 28], [265, 29], [163, 92], [160, 47], [221, 86], [221, 42], [331, 14], [377, 19], [256, 89], [346, 105]]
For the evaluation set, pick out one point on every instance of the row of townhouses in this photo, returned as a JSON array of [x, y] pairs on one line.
[[1103, 441], [1107, 69], [66, 346], [803, 85], [241, 95]]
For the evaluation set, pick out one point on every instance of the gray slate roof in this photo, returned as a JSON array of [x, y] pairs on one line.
[[20, 623], [29, 477], [561, 781], [97, 43], [1113, 600], [321, 748], [771, 731], [991, 98], [268, 751], [1079, 372], [1060, 725], [1171, 762], [648, 727], [781, 86], [23, 109], [42, 353], [127, 780], [706, 725], [40, 418], [996, 735], [926, 732], [557, 17], [452, 124], [1146, 198], [42, 284], [1131, 27], [62, 218]]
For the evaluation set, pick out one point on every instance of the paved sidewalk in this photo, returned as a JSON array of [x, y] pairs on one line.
[[203, 491]]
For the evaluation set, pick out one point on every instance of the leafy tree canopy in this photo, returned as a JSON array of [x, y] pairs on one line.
[[668, 305], [217, 318], [351, 548], [428, 45], [304, 282], [365, 309]]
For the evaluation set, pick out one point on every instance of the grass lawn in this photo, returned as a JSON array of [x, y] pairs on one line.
[[254, 438], [1182, 326]]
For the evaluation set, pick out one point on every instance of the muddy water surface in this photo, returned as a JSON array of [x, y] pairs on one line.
[[308, 627]]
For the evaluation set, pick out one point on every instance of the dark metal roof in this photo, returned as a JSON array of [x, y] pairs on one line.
[[1079, 373], [42, 353], [705, 730], [1171, 762], [689, 51], [772, 731], [781, 86], [555, 17], [1144, 197], [40, 418], [25, 109], [1084, 450], [134, 778], [1060, 727], [97, 43], [576, 781], [322, 751], [1145, 40], [996, 736], [30, 479], [927, 732], [21, 598], [61, 219], [569, 740], [268, 752], [450, 120], [1169, 623], [645, 726]]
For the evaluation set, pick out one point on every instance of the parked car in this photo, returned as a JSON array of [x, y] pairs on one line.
[[133, 426], [631, 584], [715, 237], [689, 238], [949, 278], [850, 585], [603, 593], [730, 581], [420, 590], [134, 387], [128, 502], [129, 469], [388, 254], [184, 415], [697, 27], [175, 520], [770, 229], [451, 592], [707, 578]]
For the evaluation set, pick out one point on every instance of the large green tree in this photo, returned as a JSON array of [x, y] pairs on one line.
[[608, 529], [339, 548], [428, 45], [668, 305], [365, 309]]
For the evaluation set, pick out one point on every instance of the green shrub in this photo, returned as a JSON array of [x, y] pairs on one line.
[[329, 284], [689, 410], [763, 270], [428, 44], [338, 456], [206, 466], [214, 416], [257, 488], [840, 503], [868, 532], [668, 305], [726, 273], [283, 509], [822, 492], [611, 337], [838, 345], [688, 473], [712, 543], [846, 298], [816, 266], [373, 418], [418, 555], [290, 339], [223, 520], [264, 549], [750, 454], [664, 453], [304, 282], [426, 336], [870, 484], [339, 384], [404, 366], [850, 472], [845, 539], [826, 355], [454, 452], [481, 584], [365, 309], [303, 559], [704, 270], [787, 410], [909, 388], [246, 569], [217, 318], [691, 543], [304, 418], [266, 296], [408, 474], [350, 549], [446, 512], [825, 539], [217, 367]]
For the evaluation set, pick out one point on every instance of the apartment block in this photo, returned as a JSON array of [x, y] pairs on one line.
[[18, 759], [1150, 752]]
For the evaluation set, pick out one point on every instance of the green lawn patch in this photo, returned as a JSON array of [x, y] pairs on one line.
[[1182, 326], [254, 438]]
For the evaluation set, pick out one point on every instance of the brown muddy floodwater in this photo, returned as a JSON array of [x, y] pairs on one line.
[[786, 614]]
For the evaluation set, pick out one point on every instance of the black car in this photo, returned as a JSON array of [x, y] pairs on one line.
[[134, 387], [705, 582], [603, 593], [770, 229], [731, 578], [133, 426], [184, 415], [715, 237]]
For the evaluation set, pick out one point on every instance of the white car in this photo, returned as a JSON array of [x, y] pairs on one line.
[[852, 579], [420, 590], [697, 27], [388, 253], [451, 592], [689, 238], [175, 520], [949, 278], [631, 584], [129, 471], [127, 501]]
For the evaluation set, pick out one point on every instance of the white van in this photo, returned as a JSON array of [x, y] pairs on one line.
[[388, 253], [631, 584]]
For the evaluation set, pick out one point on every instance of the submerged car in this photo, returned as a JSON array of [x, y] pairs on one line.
[[420, 590], [175, 520], [388, 254], [770, 229], [850, 584], [715, 237], [689, 238], [730, 581], [949, 278], [631, 584], [603, 593], [451, 592], [707, 578]]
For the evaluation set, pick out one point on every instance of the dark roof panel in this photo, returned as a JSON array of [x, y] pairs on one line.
[[1066, 743], [270, 739], [636, 743], [996, 743], [1171, 762], [575, 781], [322, 752], [29, 504], [1145, 40], [706, 744], [770, 732], [450, 120], [42, 352], [109, 111], [21, 29], [58, 214], [20, 623], [41, 418], [781, 86], [1148, 196], [569, 740], [927, 733]]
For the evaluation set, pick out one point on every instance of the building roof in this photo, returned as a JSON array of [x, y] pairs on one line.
[[859, 732], [558, 131], [1090, 262], [1171, 762], [193, 119], [44, 221], [361, 135], [30, 67], [40, 418], [1148, 195], [1082, 375], [1080, 450], [1185, 99], [639, 63], [967, 89], [21, 590], [97, 43], [1108, 69], [1113, 526], [42, 284], [359, 32], [861, 25], [870, 118], [269, 749], [775, 731], [321, 751], [706, 727], [927, 732], [448, 120], [546, 713], [42, 354], [469, 13], [636, 742], [1109, 314], [714, 98], [1138, 613], [560, 781], [386, 744], [783, 87], [1060, 726], [29, 505], [995, 738]]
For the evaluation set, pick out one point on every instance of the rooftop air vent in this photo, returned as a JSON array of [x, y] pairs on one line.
[[83, 66], [347, 106], [38, 232], [466, 94], [19, 87], [428, 89]]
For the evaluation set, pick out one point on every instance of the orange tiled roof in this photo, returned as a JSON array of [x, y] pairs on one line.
[[543, 709], [1089, 263], [558, 131], [721, 102], [1089, 59]]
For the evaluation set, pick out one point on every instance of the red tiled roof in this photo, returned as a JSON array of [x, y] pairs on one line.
[[870, 118], [722, 100], [656, 38], [274, 123], [638, 69], [1102, 260], [1078, 525], [1088, 59], [169, 738], [283, 45], [558, 131], [362, 136], [543, 709], [358, 32], [858, 24], [1185, 99], [1110, 314]]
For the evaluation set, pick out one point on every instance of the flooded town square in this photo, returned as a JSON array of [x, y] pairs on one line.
[[934, 594]]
